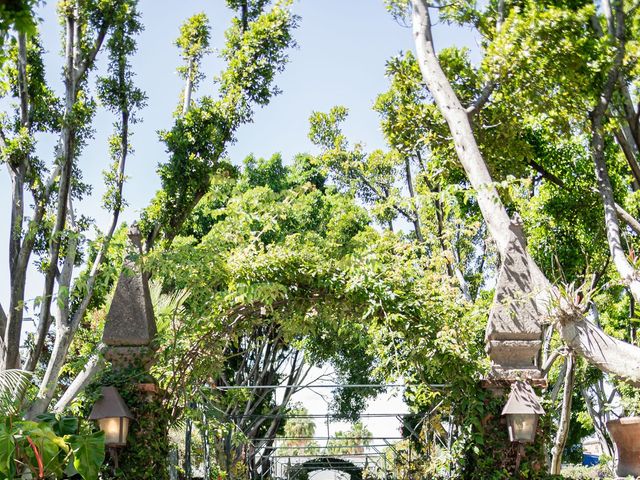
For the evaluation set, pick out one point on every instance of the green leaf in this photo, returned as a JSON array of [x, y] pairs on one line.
[[88, 454], [7, 450], [61, 425]]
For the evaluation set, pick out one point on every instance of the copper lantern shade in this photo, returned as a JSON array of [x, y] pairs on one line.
[[113, 417], [522, 410]]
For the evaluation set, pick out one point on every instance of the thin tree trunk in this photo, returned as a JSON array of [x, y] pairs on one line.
[[67, 322], [599, 424], [188, 89], [68, 140], [187, 449], [565, 416], [414, 201], [601, 350], [629, 155], [612, 227], [12, 326]]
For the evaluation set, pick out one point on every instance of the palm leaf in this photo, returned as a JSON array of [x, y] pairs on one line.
[[13, 385]]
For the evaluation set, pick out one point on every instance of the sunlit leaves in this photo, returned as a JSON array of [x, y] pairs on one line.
[[198, 140]]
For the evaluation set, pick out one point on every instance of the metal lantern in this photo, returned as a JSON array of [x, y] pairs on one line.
[[522, 410], [113, 417]]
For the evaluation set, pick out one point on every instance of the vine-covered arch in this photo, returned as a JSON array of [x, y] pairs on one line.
[[302, 470]]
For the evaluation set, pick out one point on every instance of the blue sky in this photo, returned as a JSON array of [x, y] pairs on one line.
[[342, 49]]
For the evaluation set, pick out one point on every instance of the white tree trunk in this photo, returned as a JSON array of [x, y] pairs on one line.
[[603, 351], [94, 365]]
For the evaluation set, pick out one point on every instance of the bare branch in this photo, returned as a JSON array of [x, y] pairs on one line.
[[628, 218], [482, 99], [562, 351]]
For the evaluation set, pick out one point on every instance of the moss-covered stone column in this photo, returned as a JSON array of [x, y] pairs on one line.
[[513, 340], [129, 333]]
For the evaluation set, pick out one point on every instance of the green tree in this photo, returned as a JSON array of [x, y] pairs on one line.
[[543, 126], [282, 271]]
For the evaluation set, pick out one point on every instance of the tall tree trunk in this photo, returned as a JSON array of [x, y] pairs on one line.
[[603, 351], [94, 365], [67, 158], [12, 326], [615, 20], [67, 321]]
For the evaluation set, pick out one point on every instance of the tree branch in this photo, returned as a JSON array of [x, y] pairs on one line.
[[629, 155], [94, 365], [66, 168], [482, 99], [621, 212], [91, 57], [612, 227], [565, 416], [416, 213]]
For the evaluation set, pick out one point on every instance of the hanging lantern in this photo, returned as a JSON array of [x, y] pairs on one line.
[[522, 410], [113, 417]]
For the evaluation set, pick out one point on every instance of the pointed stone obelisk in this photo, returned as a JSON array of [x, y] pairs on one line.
[[514, 334], [130, 325]]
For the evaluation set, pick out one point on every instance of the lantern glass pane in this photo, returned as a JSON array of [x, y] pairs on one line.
[[115, 430], [522, 427]]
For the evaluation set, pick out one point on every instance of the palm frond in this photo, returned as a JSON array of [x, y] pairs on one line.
[[13, 385]]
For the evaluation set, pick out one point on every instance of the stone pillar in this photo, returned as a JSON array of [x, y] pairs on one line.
[[513, 340], [130, 326], [514, 336], [129, 332]]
